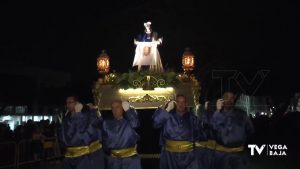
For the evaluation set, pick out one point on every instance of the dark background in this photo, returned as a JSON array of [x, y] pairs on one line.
[[67, 38]]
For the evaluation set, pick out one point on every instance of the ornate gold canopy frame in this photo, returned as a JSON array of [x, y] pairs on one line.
[[146, 92]]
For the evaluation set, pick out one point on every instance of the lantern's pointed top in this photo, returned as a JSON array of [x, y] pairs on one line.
[[187, 51], [103, 53]]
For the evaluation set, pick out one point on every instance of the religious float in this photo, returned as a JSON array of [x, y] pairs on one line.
[[149, 86]]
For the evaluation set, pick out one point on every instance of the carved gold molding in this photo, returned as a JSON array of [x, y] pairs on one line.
[[148, 98]]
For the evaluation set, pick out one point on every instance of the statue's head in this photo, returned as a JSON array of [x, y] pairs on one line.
[[147, 27]]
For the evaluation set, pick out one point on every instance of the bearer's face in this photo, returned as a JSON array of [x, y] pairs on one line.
[[70, 103], [229, 99], [181, 104], [117, 110]]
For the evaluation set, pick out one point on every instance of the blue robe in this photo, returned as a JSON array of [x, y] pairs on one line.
[[231, 129], [81, 129], [205, 156], [178, 128], [145, 37], [121, 134]]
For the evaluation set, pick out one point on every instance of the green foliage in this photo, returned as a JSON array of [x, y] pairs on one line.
[[137, 79], [126, 80]]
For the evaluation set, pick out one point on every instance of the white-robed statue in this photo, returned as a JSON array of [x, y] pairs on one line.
[[146, 52]]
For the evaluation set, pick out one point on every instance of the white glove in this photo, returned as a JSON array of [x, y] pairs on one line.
[[59, 117], [219, 104], [170, 105], [78, 107], [98, 113], [197, 108], [125, 105]]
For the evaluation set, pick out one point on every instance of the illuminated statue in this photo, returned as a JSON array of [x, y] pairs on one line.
[[146, 52]]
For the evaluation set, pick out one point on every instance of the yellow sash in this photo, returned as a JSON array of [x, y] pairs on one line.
[[222, 148], [211, 144], [124, 153], [72, 152], [179, 146]]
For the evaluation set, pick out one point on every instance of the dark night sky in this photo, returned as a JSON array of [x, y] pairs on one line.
[[247, 36]]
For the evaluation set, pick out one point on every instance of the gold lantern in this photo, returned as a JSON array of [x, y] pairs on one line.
[[103, 63], [188, 63]]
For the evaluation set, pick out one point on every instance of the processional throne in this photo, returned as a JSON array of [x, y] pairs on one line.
[[150, 86], [146, 89]]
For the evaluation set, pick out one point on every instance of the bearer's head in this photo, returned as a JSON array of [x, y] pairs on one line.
[[181, 104], [117, 109], [229, 98], [71, 101]]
